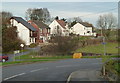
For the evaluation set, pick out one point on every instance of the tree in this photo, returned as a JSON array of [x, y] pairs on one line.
[[106, 22], [41, 14], [73, 21], [10, 41], [77, 19], [56, 18], [4, 17], [4, 21]]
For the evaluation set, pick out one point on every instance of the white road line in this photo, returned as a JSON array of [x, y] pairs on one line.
[[14, 76], [65, 66], [69, 77], [38, 69]]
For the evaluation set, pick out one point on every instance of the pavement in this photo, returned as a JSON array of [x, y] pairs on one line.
[[11, 56], [85, 75]]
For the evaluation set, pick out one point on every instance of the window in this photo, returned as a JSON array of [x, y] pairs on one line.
[[30, 39], [88, 31]]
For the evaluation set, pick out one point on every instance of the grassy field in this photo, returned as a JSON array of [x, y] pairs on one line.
[[110, 48]]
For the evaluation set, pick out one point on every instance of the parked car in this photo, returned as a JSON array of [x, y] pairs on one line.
[[3, 57]]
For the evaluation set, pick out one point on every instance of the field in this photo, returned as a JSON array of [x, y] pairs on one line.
[[110, 48]]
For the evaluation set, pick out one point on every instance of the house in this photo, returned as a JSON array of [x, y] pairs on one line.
[[25, 31], [43, 31], [59, 27], [83, 29]]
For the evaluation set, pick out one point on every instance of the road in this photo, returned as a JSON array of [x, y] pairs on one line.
[[49, 71]]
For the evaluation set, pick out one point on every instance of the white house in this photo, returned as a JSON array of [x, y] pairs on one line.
[[26, 32], [82, 29], [59, 27]]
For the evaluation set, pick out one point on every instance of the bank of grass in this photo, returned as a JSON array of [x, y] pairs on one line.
[[102, 56], [24, 62], [110, 48], [113, 70], [29, 56]]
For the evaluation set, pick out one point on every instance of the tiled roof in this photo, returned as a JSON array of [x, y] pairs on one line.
[[86, 24], [25, 23], [33, 24], [62, 23], [41, 24]]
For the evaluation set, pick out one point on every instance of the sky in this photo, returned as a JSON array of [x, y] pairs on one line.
[[87, 11]]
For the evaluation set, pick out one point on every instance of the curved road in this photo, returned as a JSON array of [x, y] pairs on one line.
[[49, 71]]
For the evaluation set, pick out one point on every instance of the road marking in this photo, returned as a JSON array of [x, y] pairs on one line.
[[38, 69], [69, 77], [65, 66], [14, 76]]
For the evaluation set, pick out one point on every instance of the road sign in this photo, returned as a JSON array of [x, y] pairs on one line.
[[22, 45], [103, 43]]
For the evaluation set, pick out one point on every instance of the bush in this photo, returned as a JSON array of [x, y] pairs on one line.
[[32, 45], [60, 46]]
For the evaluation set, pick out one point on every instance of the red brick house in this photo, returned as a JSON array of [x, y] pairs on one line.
[[43, 31]]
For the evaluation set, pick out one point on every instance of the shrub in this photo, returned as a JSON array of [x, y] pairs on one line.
[[60, 46], [32, 45]]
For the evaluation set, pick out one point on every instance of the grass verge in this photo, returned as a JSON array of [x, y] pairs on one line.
[[24, 62], [29, 56]]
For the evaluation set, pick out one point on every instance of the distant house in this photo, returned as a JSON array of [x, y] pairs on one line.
[[43, 31], [59, 27], [82, 29], [25, 31]]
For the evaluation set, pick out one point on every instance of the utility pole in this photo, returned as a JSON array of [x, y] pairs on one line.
[[104, 54], [104, 48]]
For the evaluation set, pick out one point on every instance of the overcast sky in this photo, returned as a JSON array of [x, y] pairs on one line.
[[88, 11]]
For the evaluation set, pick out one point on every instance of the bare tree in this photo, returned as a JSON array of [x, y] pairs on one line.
[[77, 19], [41, 14], [4, 17], [107, 21]]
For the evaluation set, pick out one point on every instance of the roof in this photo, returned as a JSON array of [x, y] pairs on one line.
[[40, 24], [62, 23], [33, 24], [86, 24], [25, 23]]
